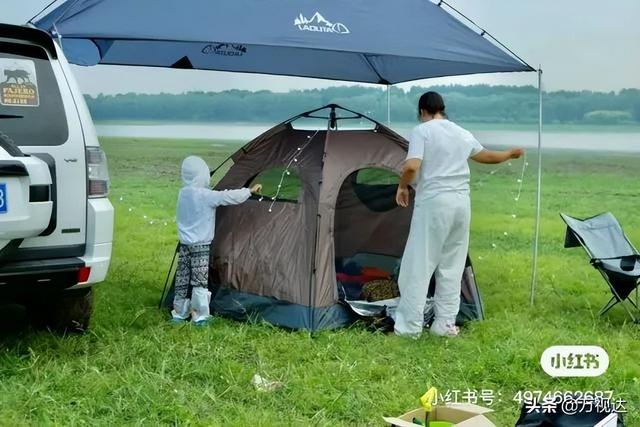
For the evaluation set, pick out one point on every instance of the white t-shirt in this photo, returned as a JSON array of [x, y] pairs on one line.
[[444, 148]]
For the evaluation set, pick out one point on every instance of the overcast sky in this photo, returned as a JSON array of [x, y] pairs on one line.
[[581, 44]]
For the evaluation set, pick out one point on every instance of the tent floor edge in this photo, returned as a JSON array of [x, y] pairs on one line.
[[239, 305]]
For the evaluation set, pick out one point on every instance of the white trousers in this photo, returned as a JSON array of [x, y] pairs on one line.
[[438, 243]]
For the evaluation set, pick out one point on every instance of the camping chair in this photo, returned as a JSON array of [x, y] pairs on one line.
[[611, 253]]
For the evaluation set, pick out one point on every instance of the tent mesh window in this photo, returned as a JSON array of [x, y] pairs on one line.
[[287, 179], [375, 188]]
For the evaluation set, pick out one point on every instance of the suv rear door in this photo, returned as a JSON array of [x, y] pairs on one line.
[[38, 112]]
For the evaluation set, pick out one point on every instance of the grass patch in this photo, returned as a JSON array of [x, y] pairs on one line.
[[133, 367]]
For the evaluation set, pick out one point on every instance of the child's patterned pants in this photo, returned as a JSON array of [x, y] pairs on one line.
[[193, 269], [192, 275]]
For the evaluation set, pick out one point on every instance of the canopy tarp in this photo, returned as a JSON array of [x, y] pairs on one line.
[[371, 41]]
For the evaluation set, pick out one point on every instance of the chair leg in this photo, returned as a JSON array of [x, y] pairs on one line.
[[615, 299], [608, 306], [634, 318], [637, 310]]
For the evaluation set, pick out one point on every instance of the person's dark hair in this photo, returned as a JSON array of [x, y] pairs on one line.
[[431, 102]]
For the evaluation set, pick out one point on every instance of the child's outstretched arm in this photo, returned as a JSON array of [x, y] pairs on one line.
[[232, 197], [492, 157]]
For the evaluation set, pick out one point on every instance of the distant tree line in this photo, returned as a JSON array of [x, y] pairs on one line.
[[477, 103]]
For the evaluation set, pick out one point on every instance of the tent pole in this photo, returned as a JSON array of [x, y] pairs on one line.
[[534, 274], [388, 105]]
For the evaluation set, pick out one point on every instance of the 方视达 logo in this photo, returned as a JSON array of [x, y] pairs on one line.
[[575, 361], [319, 24]]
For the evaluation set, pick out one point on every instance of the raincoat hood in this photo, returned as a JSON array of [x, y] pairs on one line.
[[195, 172]]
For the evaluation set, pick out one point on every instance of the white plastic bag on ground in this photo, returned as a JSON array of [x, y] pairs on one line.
[[263, 384]]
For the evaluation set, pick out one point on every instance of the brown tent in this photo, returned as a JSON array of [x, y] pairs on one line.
[[328, 212]]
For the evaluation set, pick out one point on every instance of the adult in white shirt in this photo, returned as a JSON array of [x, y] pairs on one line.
[[439, 237]]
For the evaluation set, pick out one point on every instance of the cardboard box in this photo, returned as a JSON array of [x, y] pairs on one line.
[[460, 414]]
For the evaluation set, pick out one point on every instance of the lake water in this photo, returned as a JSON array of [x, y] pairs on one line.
[[579, 140]]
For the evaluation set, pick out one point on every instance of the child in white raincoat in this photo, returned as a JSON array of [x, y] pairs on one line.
[[439, 236], [196, 225]]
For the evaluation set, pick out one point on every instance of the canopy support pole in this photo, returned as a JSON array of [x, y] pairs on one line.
[[388, 105], [534, 267]]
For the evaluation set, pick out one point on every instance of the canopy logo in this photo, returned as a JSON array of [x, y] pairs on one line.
[[225, 49], [319, 24]]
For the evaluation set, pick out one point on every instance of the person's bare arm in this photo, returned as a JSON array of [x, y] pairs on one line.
[[409, 173], [493, 157]]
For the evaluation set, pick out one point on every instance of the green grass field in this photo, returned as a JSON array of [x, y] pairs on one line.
[[134, 368]]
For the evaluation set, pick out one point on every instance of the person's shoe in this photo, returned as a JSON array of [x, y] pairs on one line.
[[444, 329], [383, 324], [178, 321], [414, 337], [203, 322]]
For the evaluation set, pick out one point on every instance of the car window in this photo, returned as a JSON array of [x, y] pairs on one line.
[[31, 109]]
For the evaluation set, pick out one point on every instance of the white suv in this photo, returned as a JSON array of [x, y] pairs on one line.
[[56, 223]]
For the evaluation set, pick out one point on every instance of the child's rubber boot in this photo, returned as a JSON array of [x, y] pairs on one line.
[[181, 311], [200, 312]]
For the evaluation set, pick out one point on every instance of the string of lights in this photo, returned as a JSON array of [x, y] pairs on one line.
[[518, 193], [286, 172]]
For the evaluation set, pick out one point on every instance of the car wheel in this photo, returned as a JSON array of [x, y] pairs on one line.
[[68, 311]]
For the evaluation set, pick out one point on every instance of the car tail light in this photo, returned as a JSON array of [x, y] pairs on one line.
[[97, 172], [83, 274]]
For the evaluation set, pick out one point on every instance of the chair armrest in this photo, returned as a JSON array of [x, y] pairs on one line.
[[627, 262]]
